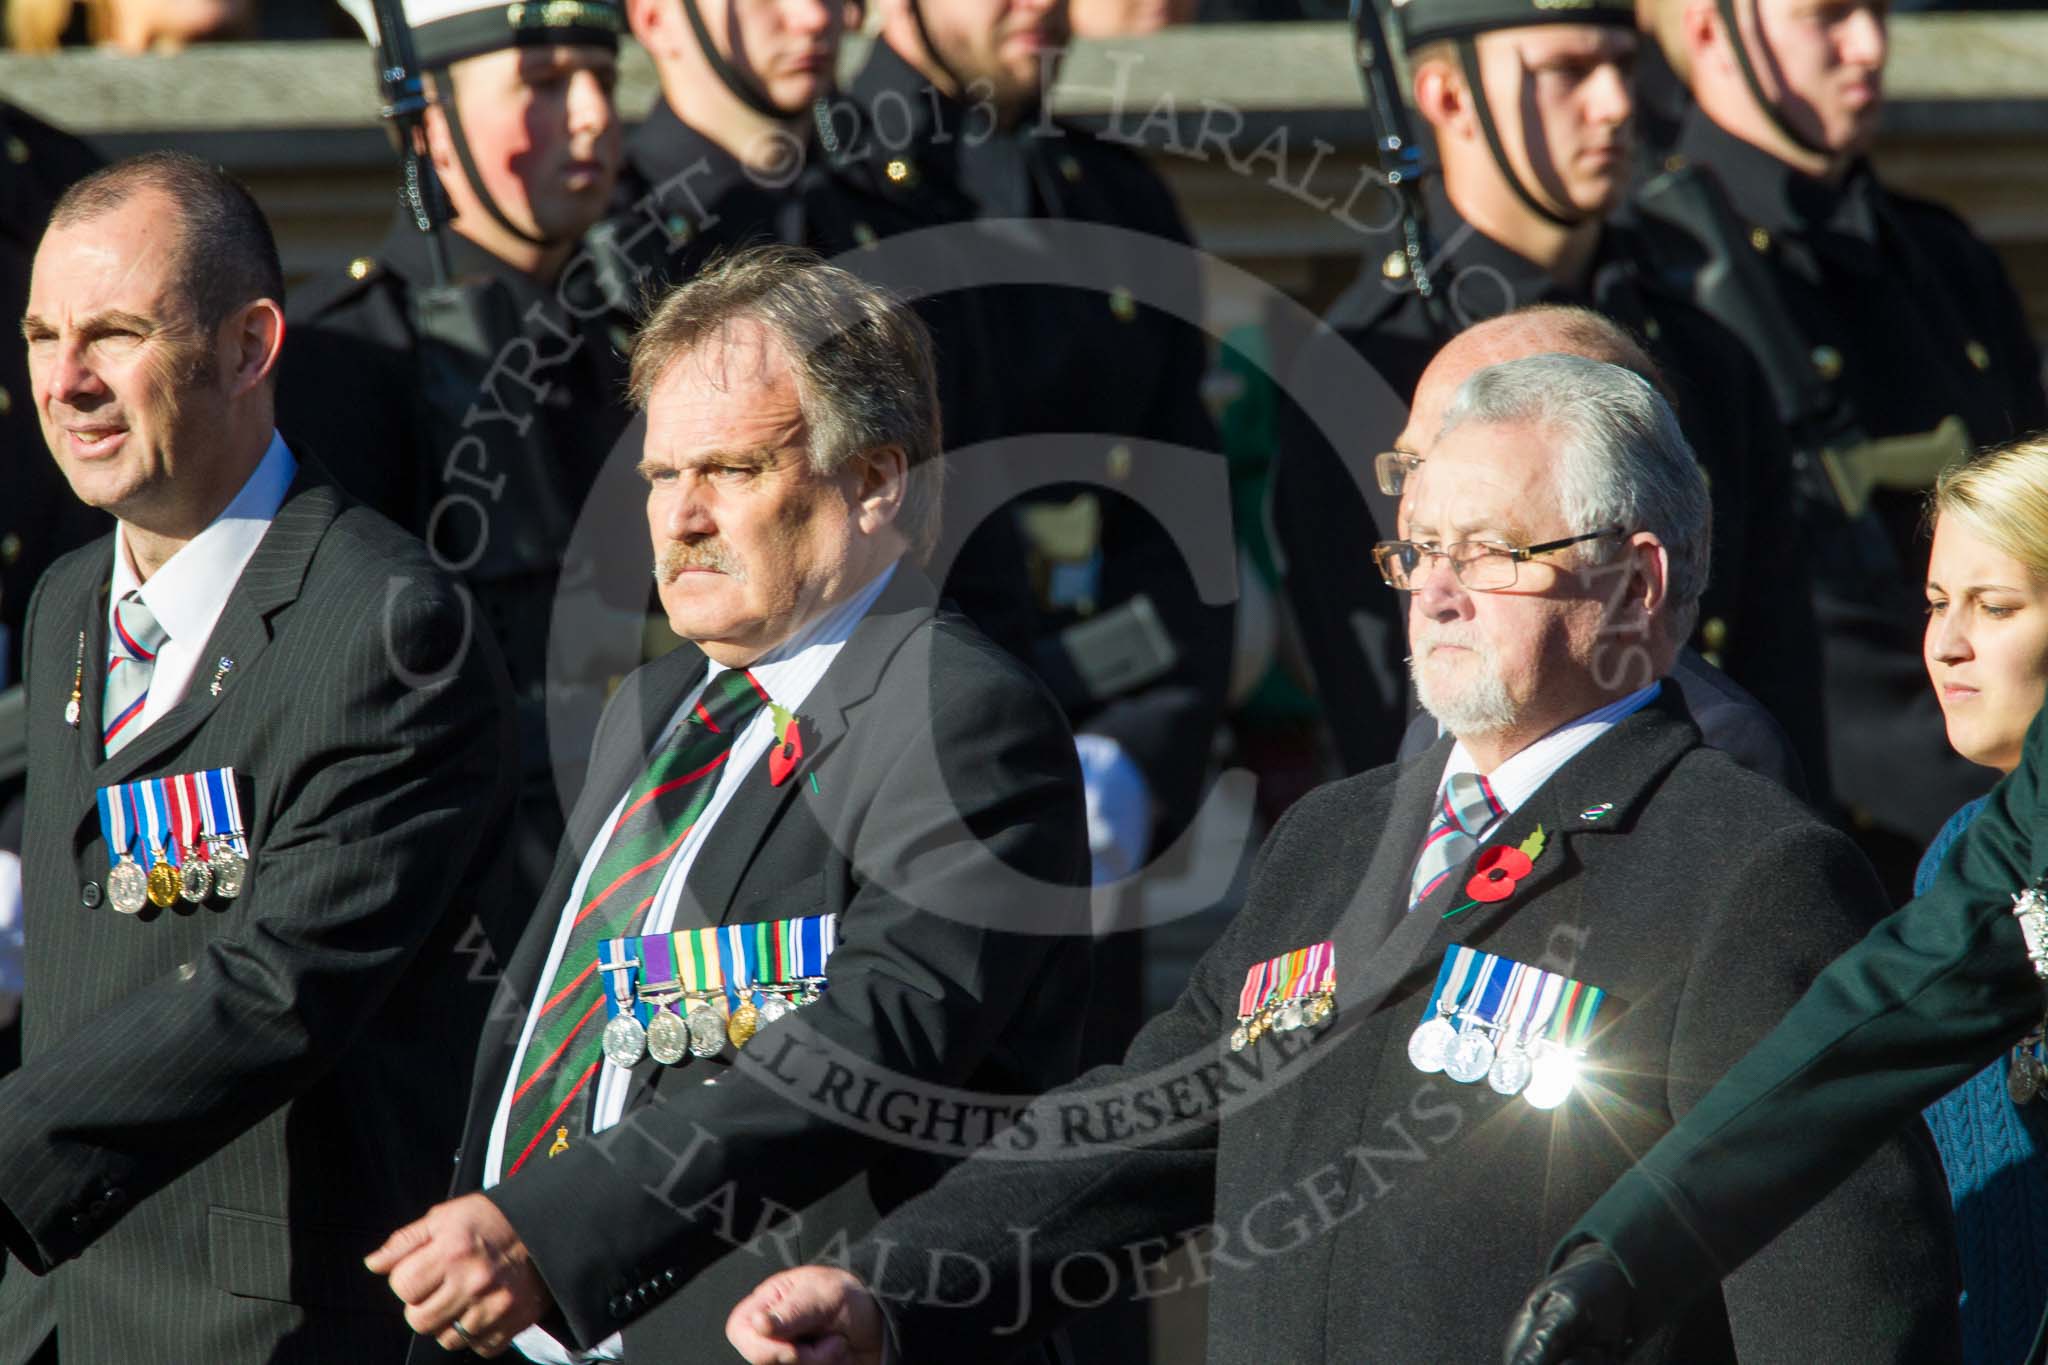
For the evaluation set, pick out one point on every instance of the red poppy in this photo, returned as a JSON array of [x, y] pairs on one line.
[[783, 758], [1496, 873]]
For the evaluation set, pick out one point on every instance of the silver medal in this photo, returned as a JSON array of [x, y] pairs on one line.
[[1510, 1071], [706, 1031], [195, 880], [1430, 1045], [773, 1007], [1551, 1078], [128, 886], [625, 1042], [1471, 1057], [1240, 1037], [668, 1038], [229, 869], [1290, 1016]]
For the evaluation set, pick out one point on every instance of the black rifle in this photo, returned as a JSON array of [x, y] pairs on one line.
[[1401, 162], [405, 109]]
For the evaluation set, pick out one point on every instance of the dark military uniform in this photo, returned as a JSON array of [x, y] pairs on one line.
[[1753, 619], [41, 520], [702, 195], [1909, 320], [1041, 360], [483, 446]]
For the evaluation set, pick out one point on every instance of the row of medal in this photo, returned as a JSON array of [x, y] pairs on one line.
[[689, 992], [1520, 1029], [173, 838], [1291, 991]]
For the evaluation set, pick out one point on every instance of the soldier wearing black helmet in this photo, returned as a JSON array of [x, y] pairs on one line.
[[477, 410], [1532, 109], [1894, 343]]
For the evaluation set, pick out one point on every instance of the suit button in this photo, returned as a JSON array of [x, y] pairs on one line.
[[668, 1276], [116, 1196], [186, 971], [620, 1307], [89, 895]]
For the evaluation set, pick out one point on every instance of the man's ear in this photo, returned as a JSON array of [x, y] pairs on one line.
[[655, 24], [1647, 594], [1700, 30], [248, 343], [1441, 97], [882, 480]]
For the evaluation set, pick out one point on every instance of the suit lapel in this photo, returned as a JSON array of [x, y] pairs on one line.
[[758, 805], [1594, 793]]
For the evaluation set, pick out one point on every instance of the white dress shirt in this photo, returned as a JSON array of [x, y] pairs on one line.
[[788, 674], [189, 591], [1517, 778]]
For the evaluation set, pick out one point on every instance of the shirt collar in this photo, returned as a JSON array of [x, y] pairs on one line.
[[790, 670], [1516, 779], [187, 594]]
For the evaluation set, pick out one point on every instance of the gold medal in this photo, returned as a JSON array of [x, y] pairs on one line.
[[163, 880], [744, 1024]]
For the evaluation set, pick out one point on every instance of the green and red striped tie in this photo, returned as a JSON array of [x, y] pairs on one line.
[[567, 1044]]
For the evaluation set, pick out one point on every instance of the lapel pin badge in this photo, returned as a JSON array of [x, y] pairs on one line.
[[1599, 812], [220, 671]]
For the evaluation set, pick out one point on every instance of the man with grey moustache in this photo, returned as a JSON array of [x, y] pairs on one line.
[[839, 822], [1488, 977]]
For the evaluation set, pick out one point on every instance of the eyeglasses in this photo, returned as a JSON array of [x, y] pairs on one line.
[[1480, 565], [1392, 468]]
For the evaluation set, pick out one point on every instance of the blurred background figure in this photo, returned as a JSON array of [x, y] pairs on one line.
[[130, 26], [476, 410], [1893, 341], [719, 160], [1987, 654], [1129, 18]]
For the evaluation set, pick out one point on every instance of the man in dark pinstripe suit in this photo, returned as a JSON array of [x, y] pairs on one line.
[[224, 1102]]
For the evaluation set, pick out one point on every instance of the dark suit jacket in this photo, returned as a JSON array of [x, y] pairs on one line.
[[1729, 719], [1915, 1009], [1358, 1210], [951, 970], [221, 1109]]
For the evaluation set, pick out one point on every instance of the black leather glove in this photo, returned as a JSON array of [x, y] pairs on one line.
[[1577, 1315]]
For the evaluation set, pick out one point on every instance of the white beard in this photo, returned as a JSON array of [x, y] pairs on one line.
[[1481, 706]]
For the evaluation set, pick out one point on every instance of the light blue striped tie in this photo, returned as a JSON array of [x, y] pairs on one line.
[[131, 662], [1465, 811]]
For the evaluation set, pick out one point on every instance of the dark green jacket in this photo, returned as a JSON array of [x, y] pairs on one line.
[[1918, 1007]]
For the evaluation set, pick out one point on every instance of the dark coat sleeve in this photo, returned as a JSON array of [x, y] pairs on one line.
[[1869, 1272], [391, 782], [917, 991], [1930, 996]]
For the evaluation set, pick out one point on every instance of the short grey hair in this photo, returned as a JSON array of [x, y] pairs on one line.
[[1622, 461], [861, 356]]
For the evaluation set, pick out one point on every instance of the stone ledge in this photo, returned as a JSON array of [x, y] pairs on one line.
[[1951, 74]]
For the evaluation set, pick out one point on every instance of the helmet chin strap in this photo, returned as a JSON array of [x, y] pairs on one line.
[[748, 90], [1468, 58], [1756, 88], [932, 53], [468, 163]]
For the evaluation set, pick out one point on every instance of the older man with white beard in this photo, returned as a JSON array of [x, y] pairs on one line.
[[1463, 993]]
